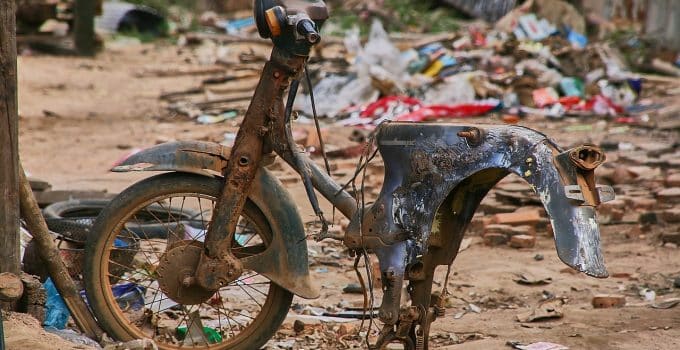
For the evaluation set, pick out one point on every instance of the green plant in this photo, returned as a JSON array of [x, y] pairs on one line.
[[398, 15]]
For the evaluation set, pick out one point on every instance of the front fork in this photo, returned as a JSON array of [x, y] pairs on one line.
[[218, 266], [408, 325]]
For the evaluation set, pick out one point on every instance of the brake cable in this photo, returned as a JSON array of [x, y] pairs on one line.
[[322, 145], [316, 121]]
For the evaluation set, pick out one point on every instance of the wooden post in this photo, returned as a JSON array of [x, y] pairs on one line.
[[9, 157], [83, 30], [48, 251]]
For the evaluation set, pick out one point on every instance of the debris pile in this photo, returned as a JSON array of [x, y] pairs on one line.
[[529, 63]]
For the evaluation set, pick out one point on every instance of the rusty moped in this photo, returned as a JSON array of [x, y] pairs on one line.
[[224, 274]]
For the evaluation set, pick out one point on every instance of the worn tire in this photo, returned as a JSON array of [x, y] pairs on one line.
[[254, 336]]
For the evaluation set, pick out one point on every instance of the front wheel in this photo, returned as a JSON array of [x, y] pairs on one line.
[[133, 281]]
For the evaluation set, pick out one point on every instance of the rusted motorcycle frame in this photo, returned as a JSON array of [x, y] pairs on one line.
[[435, 177]]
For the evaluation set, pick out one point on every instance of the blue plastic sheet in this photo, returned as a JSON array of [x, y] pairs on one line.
[[56, 313]]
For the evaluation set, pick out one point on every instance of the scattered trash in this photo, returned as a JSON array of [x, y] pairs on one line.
[[546, 310], [57, 313], [73, 336], [474, 308], [531, 280], [137, 344], [666, 304], [211, 335], [214, 119], [129, 296], [648, 294], [537, 346]]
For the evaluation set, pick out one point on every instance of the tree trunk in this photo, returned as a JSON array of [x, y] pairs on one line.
[[83, 29], [9, 157]]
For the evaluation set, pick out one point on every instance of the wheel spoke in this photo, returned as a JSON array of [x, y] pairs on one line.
[[234, 310], [251, 297]]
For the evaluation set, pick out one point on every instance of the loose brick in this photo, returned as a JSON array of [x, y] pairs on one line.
[[523, 230], [522, 241], [477, 225], [644, 203], [673, 180], [671, 215], [496, 228], [490, 206], [612, 211], [671, 237], [528, 217], [495, 239], [347, 328], [344, 164], [648, 218], [606, 301], [669, 195], [312, 139]]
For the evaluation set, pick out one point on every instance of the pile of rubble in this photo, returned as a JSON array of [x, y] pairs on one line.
[[526, 64]]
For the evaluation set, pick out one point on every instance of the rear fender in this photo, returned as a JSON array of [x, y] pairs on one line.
[[285, 261], [437, 174]]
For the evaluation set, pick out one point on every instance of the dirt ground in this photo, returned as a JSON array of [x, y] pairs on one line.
[[78, 116]]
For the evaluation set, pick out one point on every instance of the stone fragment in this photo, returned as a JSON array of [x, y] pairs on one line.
[[298, 326], [353, 288], [606, 301], [11, 287]]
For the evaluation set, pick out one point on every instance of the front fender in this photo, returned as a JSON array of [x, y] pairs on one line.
[[285, 260]]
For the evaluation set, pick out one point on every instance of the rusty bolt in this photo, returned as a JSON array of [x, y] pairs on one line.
[[187, 281], [473, 136], [243, 161]]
